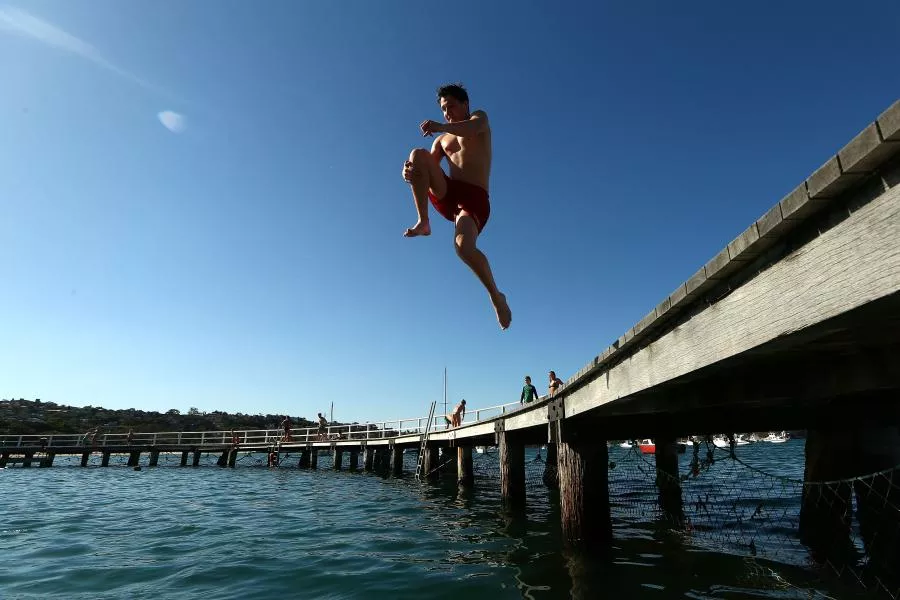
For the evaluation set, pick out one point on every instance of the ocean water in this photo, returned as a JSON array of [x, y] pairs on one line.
[[257, 532]]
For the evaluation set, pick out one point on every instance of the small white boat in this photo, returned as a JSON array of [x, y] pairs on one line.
[[625, 445], [720, 442], [774, 438]]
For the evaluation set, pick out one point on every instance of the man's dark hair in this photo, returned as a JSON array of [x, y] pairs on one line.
[[453, 90]]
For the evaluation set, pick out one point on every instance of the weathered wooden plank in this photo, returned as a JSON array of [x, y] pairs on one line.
[[866, 151], [528, 418], [849, 265], [829, 180], [743, 247], [889, 122]]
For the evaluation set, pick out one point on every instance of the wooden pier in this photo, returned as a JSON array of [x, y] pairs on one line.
[[795, 324]]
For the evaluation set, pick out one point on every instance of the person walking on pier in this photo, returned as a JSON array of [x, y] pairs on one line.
[[323, 427], [129, 439], [529, 392], [555, 384], [463, 196], [286, 424]]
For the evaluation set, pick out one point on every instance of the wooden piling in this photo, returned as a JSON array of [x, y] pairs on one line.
[[338, 457], [154, 457], [825, 509], [222, 461], [85, 457], [48, 459], [464, 471], [397, 461], [583, 467], [877, 496], [134, 458], [196, 462], [232, 457], [184, 457], [551, 474], [4, 458], [104, 462], [512, 470], [429, 468], [304, 458], [26, 462], [354, 460], [314, 458], [369, 458], [667, 480]]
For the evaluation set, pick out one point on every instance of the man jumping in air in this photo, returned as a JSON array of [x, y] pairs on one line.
[[463, 196]]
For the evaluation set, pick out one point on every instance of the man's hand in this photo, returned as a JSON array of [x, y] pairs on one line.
[[408, 171], [430, 127]]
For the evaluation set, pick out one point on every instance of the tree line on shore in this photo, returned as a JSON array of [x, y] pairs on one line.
[[28, 417]]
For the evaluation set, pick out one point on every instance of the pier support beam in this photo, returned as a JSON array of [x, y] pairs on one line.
[[4, 458], [304, 458], [232, 457], [429, 467], [551, 473], [48, 459], [583, 466], [85, 457], [512, 470], [154, 458], [314, 458], [354, 460], [369, 458], [134, 458], [28, 458], [196, 462], [836, 454], [464, 472], [222, 461], [397, 461], [667, 480], [338, 457], [184, 457], [104, 462]]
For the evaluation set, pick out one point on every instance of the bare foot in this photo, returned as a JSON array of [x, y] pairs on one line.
[[504, 315], [419, 229]]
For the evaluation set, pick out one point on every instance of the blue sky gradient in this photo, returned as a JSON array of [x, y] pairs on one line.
[[253, 261]]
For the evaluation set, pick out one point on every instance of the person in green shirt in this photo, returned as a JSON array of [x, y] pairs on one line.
[[529, 392]]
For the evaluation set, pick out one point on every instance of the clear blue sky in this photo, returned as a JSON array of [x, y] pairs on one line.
[[250, 258]]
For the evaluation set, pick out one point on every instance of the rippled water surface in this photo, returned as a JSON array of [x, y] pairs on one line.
[[255, 532]]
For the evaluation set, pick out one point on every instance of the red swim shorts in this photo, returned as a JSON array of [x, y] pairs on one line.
[[463, 196]]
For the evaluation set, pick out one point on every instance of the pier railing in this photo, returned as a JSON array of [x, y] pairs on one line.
[[253, 437]]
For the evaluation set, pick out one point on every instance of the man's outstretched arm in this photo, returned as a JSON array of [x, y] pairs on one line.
[[477, 123]]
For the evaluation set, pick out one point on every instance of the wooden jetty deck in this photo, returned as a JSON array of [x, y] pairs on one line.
[[794, 324]]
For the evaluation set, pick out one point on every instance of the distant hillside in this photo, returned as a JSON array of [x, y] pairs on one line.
[[31, 417]]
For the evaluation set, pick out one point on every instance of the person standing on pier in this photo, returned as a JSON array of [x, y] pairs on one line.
[[286, 424], [455, 418], [555, 384], [323, 427], [463, 196], [529, 392]]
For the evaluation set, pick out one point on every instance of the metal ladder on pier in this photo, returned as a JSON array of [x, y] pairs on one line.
[[420, 465]]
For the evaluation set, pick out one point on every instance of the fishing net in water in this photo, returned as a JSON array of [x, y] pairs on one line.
[[741, 501]]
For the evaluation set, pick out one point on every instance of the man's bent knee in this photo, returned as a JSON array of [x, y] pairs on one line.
[[418, 155]]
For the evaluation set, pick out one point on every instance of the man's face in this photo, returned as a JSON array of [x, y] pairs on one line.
[[453, 109], [528, 380]]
